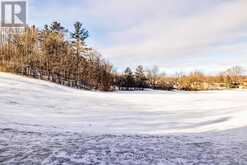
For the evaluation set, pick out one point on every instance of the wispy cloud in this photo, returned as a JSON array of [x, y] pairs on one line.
[[170, 33]]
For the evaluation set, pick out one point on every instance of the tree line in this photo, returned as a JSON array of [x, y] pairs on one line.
[[49, 54], [194, 81]]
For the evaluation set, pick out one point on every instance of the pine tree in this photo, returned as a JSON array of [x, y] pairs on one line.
[[129, 78], [140, 77], [56, 27], [79, 35]]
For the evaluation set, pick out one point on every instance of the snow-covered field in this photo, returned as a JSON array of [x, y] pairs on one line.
[[44, 123]]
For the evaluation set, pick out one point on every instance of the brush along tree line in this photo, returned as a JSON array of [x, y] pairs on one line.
[[48, 54]]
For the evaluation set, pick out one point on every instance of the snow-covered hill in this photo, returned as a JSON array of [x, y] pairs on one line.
[[52, 124]]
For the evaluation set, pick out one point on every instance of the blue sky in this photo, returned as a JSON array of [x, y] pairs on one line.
[[176, 35]]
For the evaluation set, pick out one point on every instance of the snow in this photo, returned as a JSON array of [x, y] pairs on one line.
[[41, 122]]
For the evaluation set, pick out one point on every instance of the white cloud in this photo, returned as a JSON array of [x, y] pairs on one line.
[[170, 33], [180, 37]]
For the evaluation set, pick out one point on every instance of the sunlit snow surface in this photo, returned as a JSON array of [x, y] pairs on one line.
[[43, 123]]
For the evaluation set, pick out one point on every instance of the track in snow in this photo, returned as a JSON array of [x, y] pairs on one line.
[[45, 123], [18, 147]]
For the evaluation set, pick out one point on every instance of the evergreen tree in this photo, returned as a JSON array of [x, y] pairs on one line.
[[129, 78], [79, 35], [140, 77], [56, 27]]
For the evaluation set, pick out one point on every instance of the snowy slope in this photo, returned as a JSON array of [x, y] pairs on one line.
[[29, 103], [48, 123]]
